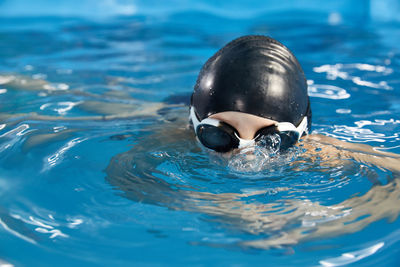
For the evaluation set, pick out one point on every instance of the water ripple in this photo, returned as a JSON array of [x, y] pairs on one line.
[[365, 131], [326, 91], [88, 97], [16, 233], [291, 201], [61, 107], [353, 256], [345, 72], [58, 156], [13, 136]]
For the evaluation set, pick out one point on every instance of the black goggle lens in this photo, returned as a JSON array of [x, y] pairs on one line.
[[217, 138]]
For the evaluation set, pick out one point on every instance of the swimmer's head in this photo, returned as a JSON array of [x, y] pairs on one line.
[[255, 75]]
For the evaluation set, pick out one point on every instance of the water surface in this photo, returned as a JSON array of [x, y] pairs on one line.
[[98, 165]]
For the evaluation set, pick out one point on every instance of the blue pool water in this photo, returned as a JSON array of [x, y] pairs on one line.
[[98, 166]]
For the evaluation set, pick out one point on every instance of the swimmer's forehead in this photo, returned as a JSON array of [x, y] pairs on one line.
[[233, 116], [246, 124]]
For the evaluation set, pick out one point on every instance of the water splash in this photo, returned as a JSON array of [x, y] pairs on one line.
[[256, 158], [266, 154]]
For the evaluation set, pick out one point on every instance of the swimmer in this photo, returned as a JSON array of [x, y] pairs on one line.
[[250, 92], [253, 92], [252, 88], [272, 106]]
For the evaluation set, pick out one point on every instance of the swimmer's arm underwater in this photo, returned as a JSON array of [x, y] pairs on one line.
[[325, 146], [111, 105]]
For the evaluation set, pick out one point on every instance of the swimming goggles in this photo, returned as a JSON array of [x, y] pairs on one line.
[[222, 137]]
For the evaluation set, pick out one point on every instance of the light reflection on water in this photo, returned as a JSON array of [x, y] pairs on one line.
[[94, 151], [366, 131]]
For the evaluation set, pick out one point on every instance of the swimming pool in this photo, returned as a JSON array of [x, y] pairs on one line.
[[98, 167]]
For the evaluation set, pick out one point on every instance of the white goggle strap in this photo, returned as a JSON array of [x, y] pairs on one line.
[[194, 119], [196, 122], [302, 128]]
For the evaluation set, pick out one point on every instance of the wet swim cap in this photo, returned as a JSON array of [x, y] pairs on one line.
[[256, 75]]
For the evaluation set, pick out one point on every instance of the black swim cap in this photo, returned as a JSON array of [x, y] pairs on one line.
[[256, 75]]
